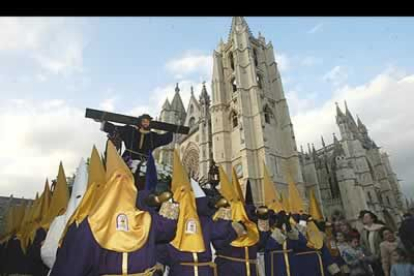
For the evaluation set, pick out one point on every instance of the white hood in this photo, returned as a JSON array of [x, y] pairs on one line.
[[198, 192], [79, 188], [50, 245]]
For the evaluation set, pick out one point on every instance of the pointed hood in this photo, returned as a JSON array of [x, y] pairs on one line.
[[226, 188], [115, 222], [79, 188], [237, 187], [60, 199], [238, 213], [43, 207], [271, 196], [96, 181], [314, 236], [189, 235], [314, 207], [284, 200], [295, 200]]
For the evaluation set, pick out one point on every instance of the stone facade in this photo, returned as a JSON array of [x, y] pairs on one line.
[[247, 123]]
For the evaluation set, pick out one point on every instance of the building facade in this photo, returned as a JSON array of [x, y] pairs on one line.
[[246, 123]]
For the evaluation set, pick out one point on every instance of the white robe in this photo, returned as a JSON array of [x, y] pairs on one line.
[[50, 245]]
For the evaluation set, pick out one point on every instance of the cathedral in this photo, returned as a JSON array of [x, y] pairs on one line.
[[244, 124]]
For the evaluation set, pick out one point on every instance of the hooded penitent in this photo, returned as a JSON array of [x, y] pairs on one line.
[[233, 194], [189, 236], [50, 245]]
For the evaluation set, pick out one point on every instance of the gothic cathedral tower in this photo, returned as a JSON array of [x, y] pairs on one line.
[[249, 113]]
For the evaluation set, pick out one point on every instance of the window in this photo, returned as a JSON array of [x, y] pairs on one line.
[[388, 200], [234, 119], [239, 170], [231, 61], [234, 85], [259, 81], [267, 114], [255, 57], [191, 122], [191, 109]]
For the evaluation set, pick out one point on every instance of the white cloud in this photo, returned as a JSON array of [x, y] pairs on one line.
[[315, 28], [41, 77], [190, 63], [384, 106], [54, 44], [283, 61], [108, 104], [337, 75], [37, 136], [310, 61]]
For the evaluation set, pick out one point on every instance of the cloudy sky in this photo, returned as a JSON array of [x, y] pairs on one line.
[[53, 68]]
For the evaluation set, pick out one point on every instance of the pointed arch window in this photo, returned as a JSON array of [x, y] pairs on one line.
[[267, 114], [259, 81], [191, 122], [231, 58], [234, 84], [255, 57], [234, 118]]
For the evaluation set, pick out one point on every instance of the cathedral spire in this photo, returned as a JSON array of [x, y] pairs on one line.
[[338, 149], [323, 142], [239, 24], [204, 97], [335, 139], [359, 121], [166, 105], [177, 106], [338, 111], [349, 115]]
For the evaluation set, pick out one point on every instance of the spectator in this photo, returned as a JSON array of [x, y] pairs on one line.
[[402, 267], [387, 247], [371, 239], [357, 259], [346, 228], [341, 242], [407, 237]]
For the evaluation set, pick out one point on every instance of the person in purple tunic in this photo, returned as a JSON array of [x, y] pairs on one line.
[[283, 240], [316, 256], [116, 238], [239, 257], [183, 262]]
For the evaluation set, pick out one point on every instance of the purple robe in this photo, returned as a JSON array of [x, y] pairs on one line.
[[81, 255], [314, 262], [225, 249], [37, 267], [212, 231], [282, 260], [14, 260], [3, 255]]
